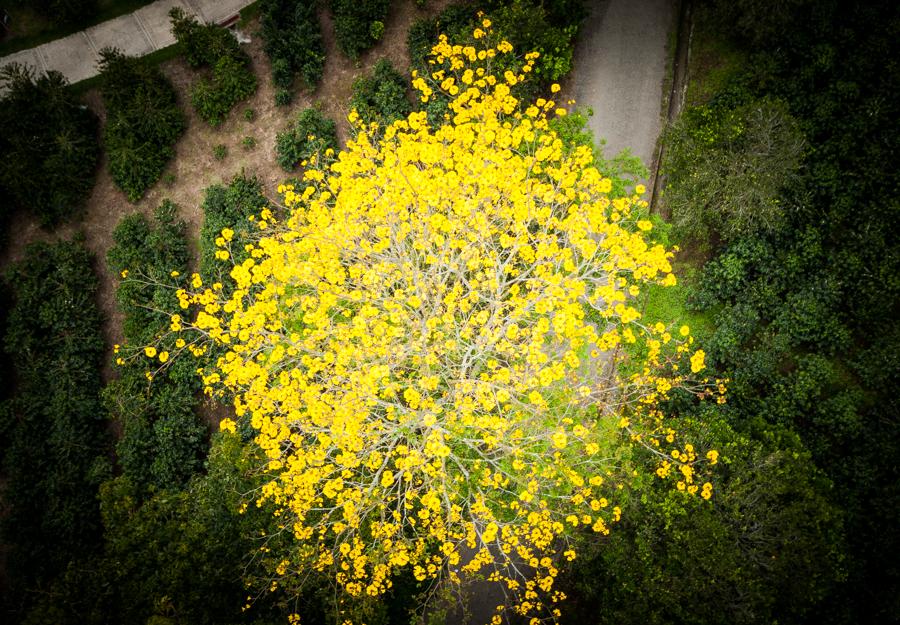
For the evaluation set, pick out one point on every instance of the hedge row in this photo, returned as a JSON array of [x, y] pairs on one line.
[[358, 24], [54, 439], [48, 143], [143, 121], [163, 440], [292, 39], [231, 77]]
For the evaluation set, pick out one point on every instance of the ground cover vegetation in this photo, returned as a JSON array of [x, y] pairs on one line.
[[143, 121], [293, 43], [49, 146], [229, 78], [797, 277]]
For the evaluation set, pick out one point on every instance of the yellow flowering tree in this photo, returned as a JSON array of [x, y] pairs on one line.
[[426, 345]]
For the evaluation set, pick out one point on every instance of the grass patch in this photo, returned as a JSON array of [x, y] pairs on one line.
[[29, 28], [713, 61], [249, 13]]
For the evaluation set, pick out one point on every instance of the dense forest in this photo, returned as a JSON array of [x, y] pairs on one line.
[[119, 501]]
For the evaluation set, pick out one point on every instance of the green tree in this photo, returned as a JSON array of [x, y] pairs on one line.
[[49, 145], [766, 547], [143, 121]]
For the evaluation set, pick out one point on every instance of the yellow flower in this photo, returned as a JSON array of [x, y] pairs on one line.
[[697, 361], [163, 356], [124, 273], [227, 425], [150, 351], [554, 88]]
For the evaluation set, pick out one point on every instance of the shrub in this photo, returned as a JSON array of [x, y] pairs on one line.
[[220, 152], [210, 46], [249, 114], [283, 97], [249, 142], [353, 23], [292, 40], [312, 134], [228, 207], [727, 167], [202, 44], [381, 96], [143, 121], [48, 143], [163, 440]]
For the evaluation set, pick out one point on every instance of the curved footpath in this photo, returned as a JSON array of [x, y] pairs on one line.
[[146, 30]]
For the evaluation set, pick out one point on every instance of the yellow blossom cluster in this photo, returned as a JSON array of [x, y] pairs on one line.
[[425, 344]]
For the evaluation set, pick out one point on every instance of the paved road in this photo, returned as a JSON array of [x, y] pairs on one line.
[[136, 34], [620, 67]]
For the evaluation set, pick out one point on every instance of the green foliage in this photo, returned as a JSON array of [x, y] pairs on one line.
[[805, 308], [765, 548], [231, 80], [381, 96], [293, 146], [456, 21], [546, 27], [49, 146], [228, 207], [220, 151], [283, 97], [175, 557], [143, 121], [728, 167], [353, 23], [55, 444], [293, 41], [624, 170], [163, 440]]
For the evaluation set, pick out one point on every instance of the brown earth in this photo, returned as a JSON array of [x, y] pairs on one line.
[[194, 168]]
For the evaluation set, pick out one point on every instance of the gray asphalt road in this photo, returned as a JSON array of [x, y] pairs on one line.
[[620, 66]]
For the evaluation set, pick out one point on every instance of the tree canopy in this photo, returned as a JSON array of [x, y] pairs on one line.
[[422, 344]]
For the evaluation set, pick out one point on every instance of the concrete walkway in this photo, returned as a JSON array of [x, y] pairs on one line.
[[620, 68], [146, 30]]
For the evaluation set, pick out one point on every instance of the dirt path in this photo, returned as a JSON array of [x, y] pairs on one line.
[[194, 167], [620, 70]]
